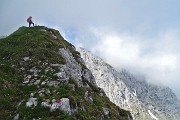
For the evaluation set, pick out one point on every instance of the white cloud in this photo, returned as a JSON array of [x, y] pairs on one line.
[[159, 61]]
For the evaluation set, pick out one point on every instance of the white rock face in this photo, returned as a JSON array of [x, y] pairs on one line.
[[74, 69], [132, 93]]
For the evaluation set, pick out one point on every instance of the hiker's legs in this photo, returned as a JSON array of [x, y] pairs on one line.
[[29, 24]]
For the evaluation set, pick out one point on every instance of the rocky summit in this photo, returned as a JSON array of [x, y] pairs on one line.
[[145, 101], [43, 77]]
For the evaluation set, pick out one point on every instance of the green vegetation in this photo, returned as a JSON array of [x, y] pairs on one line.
[[36, 42], [37, 48]]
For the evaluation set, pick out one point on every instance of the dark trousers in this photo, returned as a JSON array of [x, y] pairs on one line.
[[30, 24]]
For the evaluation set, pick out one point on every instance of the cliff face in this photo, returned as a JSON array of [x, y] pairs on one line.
[[42, 76], [145, 101]]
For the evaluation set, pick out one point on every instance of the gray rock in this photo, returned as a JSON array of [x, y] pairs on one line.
[[32, 95], [55, 37], [34, 70], [16, 117], [29, 77], [43, 83], [90, 99], [65, 105], [31, 102], [131, 92], [74, 69], [46, 104], [26, 81], [62, 104], [26, 58], [53, 83], [37, 82], [106, 111]]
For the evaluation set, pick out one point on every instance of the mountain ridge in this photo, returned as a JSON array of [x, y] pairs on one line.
[[42, 76], [144, 100]]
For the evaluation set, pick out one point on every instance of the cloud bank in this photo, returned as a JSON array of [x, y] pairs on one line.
[[156, 58]]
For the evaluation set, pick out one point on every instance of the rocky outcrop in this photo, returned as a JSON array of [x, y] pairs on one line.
[[144, 100]]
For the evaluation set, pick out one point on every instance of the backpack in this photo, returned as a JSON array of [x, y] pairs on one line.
[[29, 19]]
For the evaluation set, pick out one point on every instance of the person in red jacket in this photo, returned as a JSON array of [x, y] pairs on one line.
[[29, 20]]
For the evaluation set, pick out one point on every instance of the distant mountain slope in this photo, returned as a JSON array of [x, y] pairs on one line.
[[42, 76], [145, 101]]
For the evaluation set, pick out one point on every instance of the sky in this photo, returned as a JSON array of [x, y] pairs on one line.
[[139, 35]]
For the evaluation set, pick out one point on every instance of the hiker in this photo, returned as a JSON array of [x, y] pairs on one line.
[[29, 20]]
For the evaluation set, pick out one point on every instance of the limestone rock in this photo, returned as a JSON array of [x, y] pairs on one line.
[[31, 102], [131, 92]]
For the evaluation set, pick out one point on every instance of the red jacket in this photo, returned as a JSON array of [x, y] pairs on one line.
[[29, 19]]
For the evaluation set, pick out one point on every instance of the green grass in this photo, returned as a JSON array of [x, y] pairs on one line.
[[41, 47], [32, 42]]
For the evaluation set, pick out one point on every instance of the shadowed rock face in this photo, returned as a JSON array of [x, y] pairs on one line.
[[145, 101], [42, 76]]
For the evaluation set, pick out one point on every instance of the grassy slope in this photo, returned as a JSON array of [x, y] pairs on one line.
[[39, 44]]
